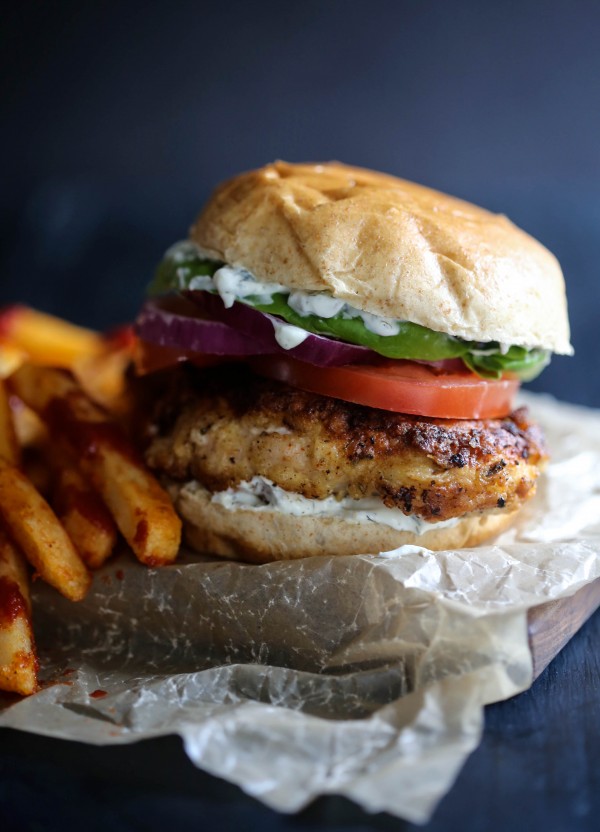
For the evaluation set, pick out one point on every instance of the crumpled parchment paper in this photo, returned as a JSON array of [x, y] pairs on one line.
[[362, 676]]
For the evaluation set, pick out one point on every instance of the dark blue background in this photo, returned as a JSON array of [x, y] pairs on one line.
[[118, 118]]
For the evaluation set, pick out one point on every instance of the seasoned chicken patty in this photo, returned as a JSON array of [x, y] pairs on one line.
[[225, 425]]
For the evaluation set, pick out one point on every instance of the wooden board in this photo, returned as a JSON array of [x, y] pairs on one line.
[[551, 625]]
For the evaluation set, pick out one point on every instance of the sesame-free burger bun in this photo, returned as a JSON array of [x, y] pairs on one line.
[[389, 247]]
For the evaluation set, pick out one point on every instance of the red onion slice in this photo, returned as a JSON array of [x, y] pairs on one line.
[[170, 323], [315, 349], [206, 326]]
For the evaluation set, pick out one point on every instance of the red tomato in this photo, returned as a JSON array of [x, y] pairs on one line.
[[402, 386], [445, 390]]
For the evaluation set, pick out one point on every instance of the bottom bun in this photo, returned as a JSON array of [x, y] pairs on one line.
[[265, 536]]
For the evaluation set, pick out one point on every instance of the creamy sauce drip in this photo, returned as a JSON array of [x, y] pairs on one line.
[[289, 336]]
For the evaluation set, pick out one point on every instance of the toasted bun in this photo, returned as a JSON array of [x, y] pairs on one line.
[[389, 247], [262, 537]]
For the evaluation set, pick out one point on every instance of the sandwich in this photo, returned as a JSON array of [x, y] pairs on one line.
[[336, 354]]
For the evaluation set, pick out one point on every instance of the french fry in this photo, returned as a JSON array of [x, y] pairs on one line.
[[141, 508], [45, 339], [18, 661], [103, 378], [9, 448], [33, 525], [11, 357], [84, 516], [102, 375], [29, 428]]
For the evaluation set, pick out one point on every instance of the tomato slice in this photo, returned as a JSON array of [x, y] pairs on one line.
[[446, 392]]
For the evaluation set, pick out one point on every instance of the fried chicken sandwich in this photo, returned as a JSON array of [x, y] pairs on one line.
[[343, 349]]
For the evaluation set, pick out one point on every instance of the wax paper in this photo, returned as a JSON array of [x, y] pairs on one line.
[[360, 676]]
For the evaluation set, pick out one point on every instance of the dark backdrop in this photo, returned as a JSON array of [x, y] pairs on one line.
[[118, 117]]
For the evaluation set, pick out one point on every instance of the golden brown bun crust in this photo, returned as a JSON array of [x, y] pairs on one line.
[[392, 248], [263, 537]]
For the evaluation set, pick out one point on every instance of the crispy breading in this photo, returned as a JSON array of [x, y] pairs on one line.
[[225, 425]]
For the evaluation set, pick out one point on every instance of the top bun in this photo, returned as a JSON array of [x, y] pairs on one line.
[[389, 247]]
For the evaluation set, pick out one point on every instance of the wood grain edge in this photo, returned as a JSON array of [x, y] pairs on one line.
[[551, 625]]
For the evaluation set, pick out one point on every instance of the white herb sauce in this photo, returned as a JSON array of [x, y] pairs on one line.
[[262, 495], [289, 336]]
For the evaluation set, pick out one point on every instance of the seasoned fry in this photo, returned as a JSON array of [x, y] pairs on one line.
[[103, 376], [141, 508], [54, 432], [84, 516], [98, 361], [46, 339], [35, 528], [30, 430], [9, 448], [18, 661], [11, 357]]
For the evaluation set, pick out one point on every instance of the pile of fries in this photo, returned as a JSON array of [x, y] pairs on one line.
[[71, 480]]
